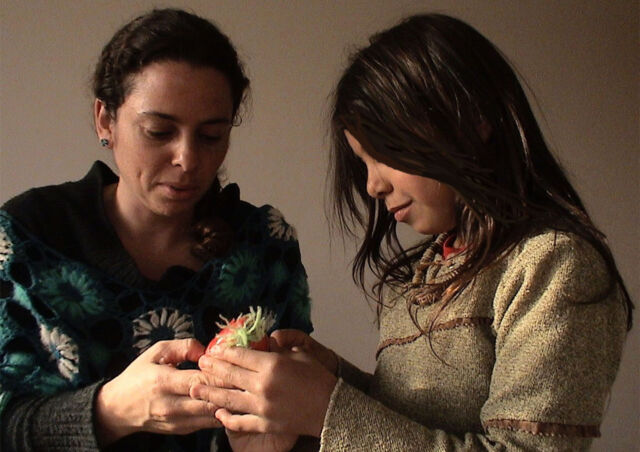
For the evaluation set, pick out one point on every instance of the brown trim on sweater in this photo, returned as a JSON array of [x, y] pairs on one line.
[[396, 341], [449, 325], [544, 428], [463, 321]]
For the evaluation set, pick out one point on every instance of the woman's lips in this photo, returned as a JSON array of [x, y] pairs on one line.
[[180, 192]]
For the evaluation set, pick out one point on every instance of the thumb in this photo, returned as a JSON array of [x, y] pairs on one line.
[[175, 351], [274, 346], [289, 338]]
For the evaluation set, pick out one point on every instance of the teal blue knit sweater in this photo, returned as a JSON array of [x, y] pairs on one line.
[[74, 310]]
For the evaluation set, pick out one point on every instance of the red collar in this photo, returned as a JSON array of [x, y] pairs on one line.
[[448, 249]]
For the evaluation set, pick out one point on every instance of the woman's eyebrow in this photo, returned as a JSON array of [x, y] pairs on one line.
[[159, 114]]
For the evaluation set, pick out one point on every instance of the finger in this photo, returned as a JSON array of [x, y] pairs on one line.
[[178, 382], [211, 377], [244, 422], [175, 351], [226, 375], [239, 356], [184, 424], [233, 400], [274, 346], [168, 408], [194, 423]]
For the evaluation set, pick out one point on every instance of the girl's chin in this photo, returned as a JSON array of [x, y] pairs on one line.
[[430, 229]]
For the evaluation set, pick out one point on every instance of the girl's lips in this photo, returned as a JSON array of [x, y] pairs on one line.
[[401, 214]]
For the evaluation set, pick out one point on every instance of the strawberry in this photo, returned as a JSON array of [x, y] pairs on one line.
[[247, 330]]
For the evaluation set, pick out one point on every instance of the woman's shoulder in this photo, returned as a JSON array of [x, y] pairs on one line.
[[42, 209], [265, 218], [35, 199], [37, 207], [66, 216]]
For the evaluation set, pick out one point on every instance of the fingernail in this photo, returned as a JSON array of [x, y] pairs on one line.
[[204, 361], [214, 350]]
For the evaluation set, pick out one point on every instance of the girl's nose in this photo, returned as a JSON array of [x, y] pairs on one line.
[[377, 186]]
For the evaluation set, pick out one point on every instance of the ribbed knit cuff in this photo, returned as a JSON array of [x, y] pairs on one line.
[[335, 434], [65, 422], [357, 422]]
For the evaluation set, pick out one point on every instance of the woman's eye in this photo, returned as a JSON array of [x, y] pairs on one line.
[[158, 134], [211, 138]]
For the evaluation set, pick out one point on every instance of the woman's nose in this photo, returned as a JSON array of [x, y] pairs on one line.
[[185, 155]]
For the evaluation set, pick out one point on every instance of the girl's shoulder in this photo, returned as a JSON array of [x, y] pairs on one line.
[[553, 246], [561, 261]]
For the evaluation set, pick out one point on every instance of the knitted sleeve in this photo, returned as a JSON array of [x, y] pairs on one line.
[[32, 417], [60, 422], [559, 335], [560, 328]]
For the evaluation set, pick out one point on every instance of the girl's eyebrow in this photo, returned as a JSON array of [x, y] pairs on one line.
[[158, 114]]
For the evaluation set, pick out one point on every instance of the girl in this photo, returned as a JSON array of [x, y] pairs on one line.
[[111, 283], [503, 328]]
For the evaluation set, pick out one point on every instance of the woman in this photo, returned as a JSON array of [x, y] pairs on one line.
[[504, 327], [111, 284]]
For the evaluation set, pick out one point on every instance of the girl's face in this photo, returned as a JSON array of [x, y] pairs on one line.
[[169, 137], [425, 204]]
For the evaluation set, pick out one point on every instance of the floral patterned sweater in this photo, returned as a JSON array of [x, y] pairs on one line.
[[75, 311]]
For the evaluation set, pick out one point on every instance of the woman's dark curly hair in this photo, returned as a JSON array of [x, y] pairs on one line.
[[175, 35]]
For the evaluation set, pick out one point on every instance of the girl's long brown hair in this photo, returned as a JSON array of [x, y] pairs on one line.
[[432, 97]]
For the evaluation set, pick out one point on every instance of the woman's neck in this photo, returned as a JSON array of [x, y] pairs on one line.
[[135, 223], [154, 242]]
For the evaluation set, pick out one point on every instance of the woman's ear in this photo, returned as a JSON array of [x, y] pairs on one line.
[[103, 120]]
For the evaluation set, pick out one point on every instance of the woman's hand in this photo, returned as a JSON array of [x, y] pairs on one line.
[[152, 395], [266, 392]]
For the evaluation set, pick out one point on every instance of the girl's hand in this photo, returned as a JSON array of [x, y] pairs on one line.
[[271, 392], [152, 395], [260, 442], [297, 340]]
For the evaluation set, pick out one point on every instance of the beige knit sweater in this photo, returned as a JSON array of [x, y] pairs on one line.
[[524, 360]]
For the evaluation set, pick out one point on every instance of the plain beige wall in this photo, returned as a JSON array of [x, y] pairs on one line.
[[580, 58]]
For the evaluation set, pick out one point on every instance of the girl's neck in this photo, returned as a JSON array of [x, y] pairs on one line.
[[452, 246]]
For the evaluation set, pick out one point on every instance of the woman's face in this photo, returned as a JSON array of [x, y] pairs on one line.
[[426, 205], [169, 137]]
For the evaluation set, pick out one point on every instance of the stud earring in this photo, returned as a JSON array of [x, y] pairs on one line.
[[104, 142]]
